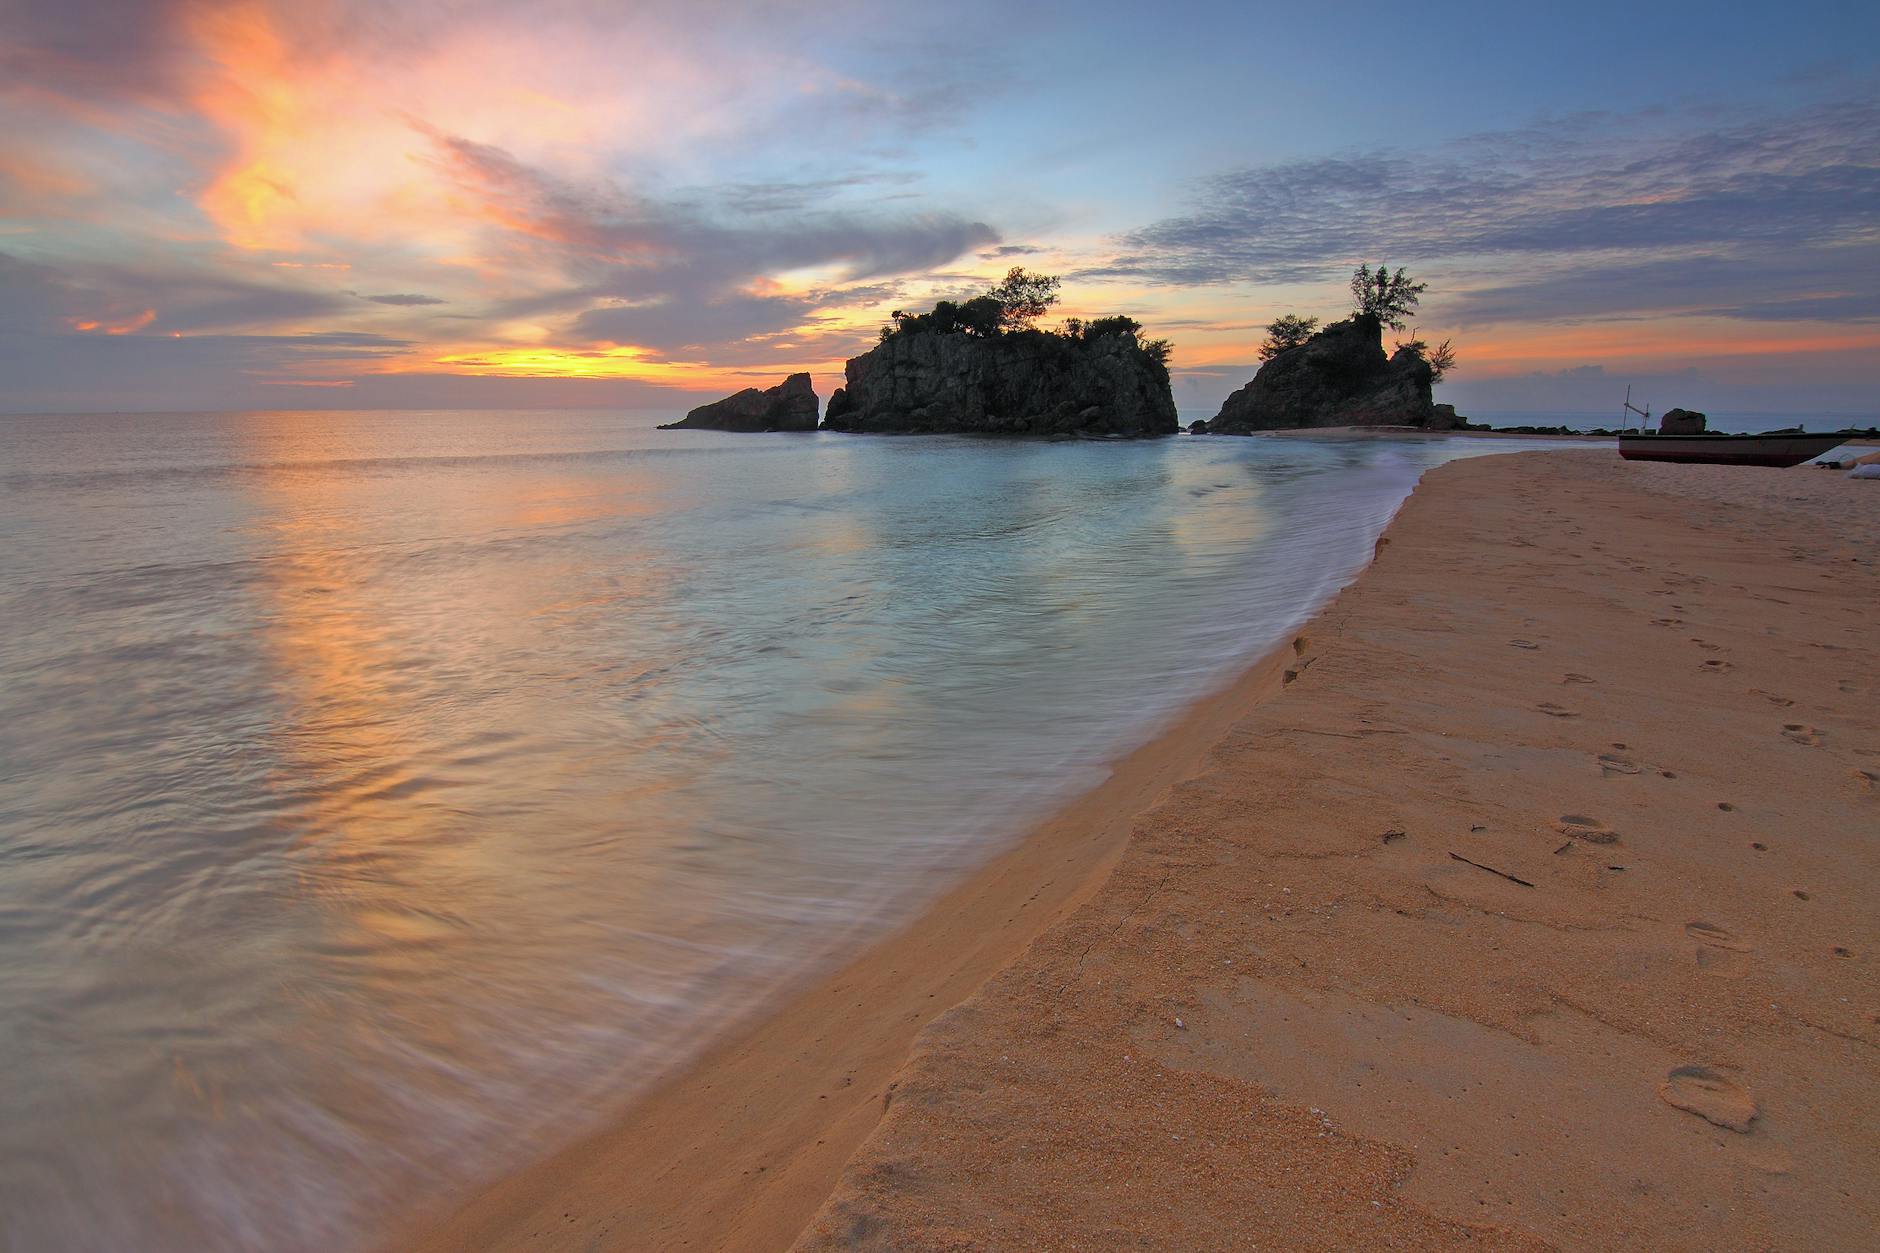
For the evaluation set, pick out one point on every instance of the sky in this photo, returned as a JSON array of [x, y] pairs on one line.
[[233, 204]]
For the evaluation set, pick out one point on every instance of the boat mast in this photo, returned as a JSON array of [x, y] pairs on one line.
[[1625, 414]]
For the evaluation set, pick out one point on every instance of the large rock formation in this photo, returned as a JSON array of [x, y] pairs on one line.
[[1681, 422], [1339, 377], [789, 406], [1021, 383]]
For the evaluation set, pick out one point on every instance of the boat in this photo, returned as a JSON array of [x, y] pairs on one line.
[[1695, 445], [1712, 448]]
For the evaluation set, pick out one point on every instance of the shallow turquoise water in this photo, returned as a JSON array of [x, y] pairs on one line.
[[367, 780]]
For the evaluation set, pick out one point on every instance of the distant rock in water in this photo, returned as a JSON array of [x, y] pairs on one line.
[[1018, 383], [1445, 418], [1339, 377], [1682, 422], [789, 406]]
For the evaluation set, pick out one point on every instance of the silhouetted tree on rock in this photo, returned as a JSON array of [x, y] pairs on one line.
[[1288, 331], [1390, 298]]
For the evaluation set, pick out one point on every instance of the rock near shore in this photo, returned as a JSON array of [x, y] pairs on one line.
[[789, 406], [1339, 377], [1022, 383]]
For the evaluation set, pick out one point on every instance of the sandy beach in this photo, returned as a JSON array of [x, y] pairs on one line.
[[1524, 900]]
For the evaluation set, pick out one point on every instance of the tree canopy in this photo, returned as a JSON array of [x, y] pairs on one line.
[[1390, 298], [1012, 306], [1441, 359], [1023, 297], [1288, 331]]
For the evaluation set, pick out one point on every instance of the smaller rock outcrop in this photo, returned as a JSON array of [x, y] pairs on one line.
[[789, 406], [1339, 377], [1681, 422], [1445, 418]]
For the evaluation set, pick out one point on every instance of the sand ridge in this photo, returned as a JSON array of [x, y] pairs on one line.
[[1536, 910]]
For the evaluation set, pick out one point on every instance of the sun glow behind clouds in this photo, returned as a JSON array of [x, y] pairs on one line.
[[490, 164], [604, 363]]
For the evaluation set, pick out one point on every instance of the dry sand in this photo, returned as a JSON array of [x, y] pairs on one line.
[[1247, 994]]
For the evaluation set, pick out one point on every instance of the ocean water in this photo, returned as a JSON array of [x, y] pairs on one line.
[[383, 793]]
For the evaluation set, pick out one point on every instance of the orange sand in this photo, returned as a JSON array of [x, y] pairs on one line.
[[1246, 994]]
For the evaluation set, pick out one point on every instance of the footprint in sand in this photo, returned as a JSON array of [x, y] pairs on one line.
[[1667, 622], [1771, 697], [1726, 807], [1529, 644], [1555, 711], [1798, 733], [1867, 779], [1609, 764], [1580, 827], [1578, 678], [1710, 1094], [1715, 936], [1706, 645], [1715, 666]]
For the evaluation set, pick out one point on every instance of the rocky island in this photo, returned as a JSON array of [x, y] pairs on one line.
[[789, 406], [1341, 375], [982, 367]]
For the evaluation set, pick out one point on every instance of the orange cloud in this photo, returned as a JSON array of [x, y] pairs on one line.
[[136, 322]]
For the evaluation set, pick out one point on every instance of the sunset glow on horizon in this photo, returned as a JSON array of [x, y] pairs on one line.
[[217, 203]]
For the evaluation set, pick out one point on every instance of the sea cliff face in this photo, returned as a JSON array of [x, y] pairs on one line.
[[1339, 377], [789, 406], [1023, 383]]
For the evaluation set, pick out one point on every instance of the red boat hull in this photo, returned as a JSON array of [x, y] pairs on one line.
[[1728, 450]]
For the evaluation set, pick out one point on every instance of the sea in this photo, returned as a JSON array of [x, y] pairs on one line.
[[382, 794]]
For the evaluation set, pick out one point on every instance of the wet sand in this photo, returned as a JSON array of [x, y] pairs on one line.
[[739, 1149], [1526, 900]]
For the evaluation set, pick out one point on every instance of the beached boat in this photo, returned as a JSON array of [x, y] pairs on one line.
[[1712, 448], [1682, 437]]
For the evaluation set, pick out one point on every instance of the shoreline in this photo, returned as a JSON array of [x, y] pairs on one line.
[[1536, 913], [737, 1148], [830, 1119]]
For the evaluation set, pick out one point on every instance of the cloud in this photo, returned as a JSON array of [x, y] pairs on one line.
[[404, 299], [39, 296], [677, 325], [800, 195], [693, 271], [95, 49], [1767, 196], [600, 224], [1771, 283]]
